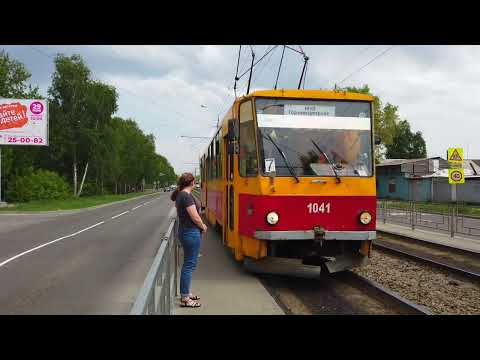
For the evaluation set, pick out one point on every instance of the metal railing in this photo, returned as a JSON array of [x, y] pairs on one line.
[[160, 287], [451, 218]]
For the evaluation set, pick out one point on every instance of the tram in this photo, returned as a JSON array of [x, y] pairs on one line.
[[290, 174]]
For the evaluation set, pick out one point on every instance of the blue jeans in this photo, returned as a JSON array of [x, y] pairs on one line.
[[190, 240]]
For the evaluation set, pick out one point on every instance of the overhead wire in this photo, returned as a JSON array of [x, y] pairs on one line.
[[368, 63], [265, 65], [279, 67], [355, 58], [236, 73], [255, 63]]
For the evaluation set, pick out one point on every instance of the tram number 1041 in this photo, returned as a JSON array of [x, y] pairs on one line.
[[315, 208]]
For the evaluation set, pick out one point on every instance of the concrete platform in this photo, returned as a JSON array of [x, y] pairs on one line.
[[457, 242], [224, 286]]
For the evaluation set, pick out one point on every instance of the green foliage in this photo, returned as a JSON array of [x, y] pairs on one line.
[[82, 130], [38, 185], [13, 79], [91, 188], [398, 142], [406, 145]]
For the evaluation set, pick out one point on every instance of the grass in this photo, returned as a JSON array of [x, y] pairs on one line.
[[70, 203], [437, 208]]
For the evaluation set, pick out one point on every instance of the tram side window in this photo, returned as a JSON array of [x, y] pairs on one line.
[[214, 160], [248, 152], [219, 160], [209, 161]]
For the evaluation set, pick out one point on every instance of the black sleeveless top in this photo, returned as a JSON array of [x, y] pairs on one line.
[[183, 201]]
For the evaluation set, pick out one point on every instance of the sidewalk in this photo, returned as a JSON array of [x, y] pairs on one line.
[[457, 242], [224, 286]]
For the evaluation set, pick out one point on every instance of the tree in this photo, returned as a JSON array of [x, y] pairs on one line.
[[67, 96], [406, 145], [101, 103], [13, 79], [80, 109], [390, 128]]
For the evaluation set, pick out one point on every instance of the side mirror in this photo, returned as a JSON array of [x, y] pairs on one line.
[[232, 130], [231, 148], [378, 140]]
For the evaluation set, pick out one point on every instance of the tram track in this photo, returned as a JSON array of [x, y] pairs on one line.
[[462, 270], [345, 293]]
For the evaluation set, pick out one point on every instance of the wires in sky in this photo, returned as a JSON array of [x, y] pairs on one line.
[[368, 63]]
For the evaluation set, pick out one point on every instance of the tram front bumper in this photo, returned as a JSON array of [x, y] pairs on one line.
[[310, 235]]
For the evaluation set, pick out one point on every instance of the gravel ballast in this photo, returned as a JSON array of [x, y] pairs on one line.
[[440, 290]]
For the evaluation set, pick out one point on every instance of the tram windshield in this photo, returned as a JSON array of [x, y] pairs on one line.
[[317, 137]]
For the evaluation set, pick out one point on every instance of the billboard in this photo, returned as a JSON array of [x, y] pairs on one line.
[[23, 122]]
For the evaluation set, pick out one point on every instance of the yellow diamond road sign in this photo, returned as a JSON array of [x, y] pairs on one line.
[[456, 176], [455, 155]]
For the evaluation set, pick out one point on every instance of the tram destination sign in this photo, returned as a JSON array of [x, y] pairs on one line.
[[23, 122]]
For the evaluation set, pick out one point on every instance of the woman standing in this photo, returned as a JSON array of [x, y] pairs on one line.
[[190, 227]]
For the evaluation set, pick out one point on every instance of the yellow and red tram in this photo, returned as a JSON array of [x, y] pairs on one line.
[[290, 174]]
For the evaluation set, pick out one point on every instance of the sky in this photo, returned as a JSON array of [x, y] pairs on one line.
[[174, 91]]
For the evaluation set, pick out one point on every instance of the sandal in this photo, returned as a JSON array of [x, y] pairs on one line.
[[194, 297], [190, 303]]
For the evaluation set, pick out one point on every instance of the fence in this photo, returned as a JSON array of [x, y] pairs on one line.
[[160, 287], [452, 218]]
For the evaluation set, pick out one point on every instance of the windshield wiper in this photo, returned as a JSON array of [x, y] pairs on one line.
[[326, 157], [290, 168]]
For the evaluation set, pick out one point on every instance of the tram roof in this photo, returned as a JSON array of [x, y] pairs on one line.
[[312, 94]]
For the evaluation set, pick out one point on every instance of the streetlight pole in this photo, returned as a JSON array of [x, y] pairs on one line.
[[218, 115]]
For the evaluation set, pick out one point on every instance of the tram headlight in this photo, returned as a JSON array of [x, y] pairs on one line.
[[272, 218], [365, 218]]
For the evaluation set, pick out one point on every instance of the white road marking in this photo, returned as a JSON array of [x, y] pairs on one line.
[[48, 243], [69, 236], [114, 217], [136, 207]]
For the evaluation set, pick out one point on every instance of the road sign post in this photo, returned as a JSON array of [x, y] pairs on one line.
[[456, 175]]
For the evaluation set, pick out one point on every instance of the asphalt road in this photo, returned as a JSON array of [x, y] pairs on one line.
[[80, 262]]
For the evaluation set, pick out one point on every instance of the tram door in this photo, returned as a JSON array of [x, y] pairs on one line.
[[229, 198]]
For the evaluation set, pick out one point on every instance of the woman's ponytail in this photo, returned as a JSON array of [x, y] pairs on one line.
[[173, 197], [185, 180]]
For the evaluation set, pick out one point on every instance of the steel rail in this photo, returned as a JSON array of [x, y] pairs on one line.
[[410, 306], [427, 259]]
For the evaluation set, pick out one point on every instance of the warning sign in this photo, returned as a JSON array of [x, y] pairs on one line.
[[456, 176], [455, 155]]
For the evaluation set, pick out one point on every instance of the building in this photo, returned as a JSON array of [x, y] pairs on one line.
[[425, 180]]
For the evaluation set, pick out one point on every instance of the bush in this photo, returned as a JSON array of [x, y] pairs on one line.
[[92, 188], [38, 185]]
